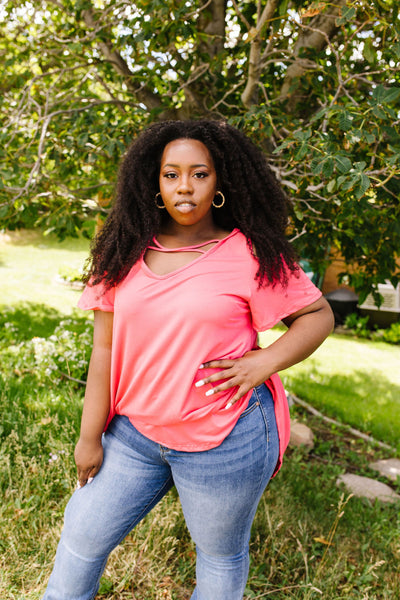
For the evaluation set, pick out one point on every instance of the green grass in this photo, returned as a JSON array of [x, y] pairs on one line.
[[355, 381], [309, 541], [30, 265]]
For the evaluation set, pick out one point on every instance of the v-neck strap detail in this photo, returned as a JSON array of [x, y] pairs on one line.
[[203, 254], [194, 248]]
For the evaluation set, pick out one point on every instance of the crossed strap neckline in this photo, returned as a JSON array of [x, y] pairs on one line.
[[193, 248]]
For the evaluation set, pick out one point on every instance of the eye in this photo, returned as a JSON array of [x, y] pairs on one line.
[[200, 175], [170, 175]]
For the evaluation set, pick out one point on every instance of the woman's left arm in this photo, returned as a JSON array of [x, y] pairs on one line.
[[307, 329]]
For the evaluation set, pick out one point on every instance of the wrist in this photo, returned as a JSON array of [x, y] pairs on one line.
[[266, 362], [90, 439]]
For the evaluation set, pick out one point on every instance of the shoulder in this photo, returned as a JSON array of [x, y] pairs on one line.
[[242, 248], [238, 241]]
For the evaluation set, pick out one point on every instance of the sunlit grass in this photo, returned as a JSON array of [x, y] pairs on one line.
[[356, 381], [30, 264], [293, 555]]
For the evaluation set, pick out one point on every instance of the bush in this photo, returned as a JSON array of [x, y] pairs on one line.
[[358, 326], [392, 334], [63, 349]]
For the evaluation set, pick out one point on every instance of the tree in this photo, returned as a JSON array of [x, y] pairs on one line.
[[314, 83]]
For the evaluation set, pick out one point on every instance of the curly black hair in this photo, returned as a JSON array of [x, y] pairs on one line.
[[255, 202]]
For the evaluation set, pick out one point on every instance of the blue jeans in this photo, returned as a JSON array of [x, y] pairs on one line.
[[219, 490]]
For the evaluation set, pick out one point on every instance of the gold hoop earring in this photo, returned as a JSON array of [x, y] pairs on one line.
[[160, 206], [222, 203]]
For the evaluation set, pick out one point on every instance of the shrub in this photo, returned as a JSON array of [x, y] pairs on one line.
[[358, 325], [392, 334], [65, 351]]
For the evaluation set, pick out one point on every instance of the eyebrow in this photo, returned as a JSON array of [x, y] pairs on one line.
[[191, 166]]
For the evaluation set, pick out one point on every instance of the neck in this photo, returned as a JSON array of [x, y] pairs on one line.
[[192, 234]]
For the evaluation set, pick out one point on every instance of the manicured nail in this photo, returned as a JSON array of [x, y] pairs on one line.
[[90, 480], [228, 405], [199, 383], [209, 392]]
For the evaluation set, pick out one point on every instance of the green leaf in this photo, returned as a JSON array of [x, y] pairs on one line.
[[391, 95], [369, 137], [360, 166], [379, 112], [345, 121], [302, 151], [331, 187], [343, 163], [316, 166], [328, 166], [378, 94], [348, 13], [362, 186], [369, 51], [299, 214], [396, 49]]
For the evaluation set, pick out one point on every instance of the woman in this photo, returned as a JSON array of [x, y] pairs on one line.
[[190, 264]]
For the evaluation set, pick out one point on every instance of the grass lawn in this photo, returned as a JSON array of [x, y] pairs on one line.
[[355, 381], [30, 265]]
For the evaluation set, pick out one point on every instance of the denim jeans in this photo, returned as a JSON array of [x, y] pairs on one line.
[[219, 490]]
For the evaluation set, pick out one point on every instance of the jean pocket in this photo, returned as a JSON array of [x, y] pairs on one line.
[[250, 409]]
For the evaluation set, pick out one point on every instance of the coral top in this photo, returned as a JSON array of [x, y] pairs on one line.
[[166, 326]]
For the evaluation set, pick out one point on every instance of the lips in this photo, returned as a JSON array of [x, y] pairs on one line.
[[185, 203], [185, 206]]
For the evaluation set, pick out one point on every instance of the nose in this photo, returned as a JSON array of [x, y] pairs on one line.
[[185, 184]]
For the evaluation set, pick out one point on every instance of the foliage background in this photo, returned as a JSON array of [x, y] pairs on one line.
[[314, 83]]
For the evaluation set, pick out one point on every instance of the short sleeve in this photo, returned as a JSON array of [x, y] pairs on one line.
[[270, 304], [95, 298]]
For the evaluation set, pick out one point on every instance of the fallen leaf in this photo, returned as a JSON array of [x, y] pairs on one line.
[[322, 540]]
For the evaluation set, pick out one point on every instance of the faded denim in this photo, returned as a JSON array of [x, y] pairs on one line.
[[219, 490]]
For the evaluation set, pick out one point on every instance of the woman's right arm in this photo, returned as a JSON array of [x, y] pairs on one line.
[[96, 407]]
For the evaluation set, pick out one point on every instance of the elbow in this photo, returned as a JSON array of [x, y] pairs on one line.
[[328, 318]]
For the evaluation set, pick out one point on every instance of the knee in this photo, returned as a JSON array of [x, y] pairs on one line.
[[220, 577], [222, 559], [82, 531]]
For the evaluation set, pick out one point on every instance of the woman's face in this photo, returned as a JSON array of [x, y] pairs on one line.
[[187, 181]]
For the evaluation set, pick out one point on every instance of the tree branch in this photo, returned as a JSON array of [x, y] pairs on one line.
[[241, 15], [353, 431], [143, 94], [211, 22], [322, 28], [249, 94]]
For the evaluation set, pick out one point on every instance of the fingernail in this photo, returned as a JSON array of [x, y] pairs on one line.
[[90, 480], [228, 405], [209, 392], [199, 383], [78, 485]]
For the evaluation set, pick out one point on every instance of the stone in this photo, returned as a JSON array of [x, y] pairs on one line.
[[301, 435], [389, 467], [290, 399], [365, 487]]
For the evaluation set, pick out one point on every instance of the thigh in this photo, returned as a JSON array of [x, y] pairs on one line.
[[131, 481], [220, 488]]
